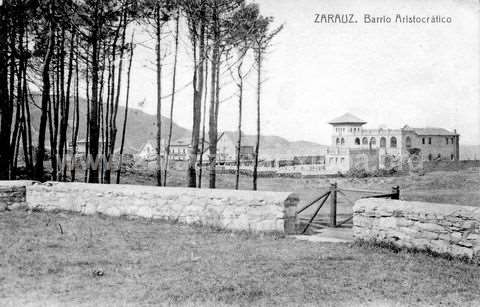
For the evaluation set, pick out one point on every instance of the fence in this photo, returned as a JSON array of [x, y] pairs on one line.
[[333, 194]]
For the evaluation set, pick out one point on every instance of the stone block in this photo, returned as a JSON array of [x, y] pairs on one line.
[[460, 251], [429, 227], [387, 222], [439, 246]]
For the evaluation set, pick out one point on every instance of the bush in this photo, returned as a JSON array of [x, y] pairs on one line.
[[357, 173], [363, 173]]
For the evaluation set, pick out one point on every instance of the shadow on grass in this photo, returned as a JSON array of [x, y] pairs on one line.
[[391, 247]]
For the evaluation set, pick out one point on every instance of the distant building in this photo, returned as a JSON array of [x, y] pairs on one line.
[[317, 159], [247, 152], [179, 149], [82, 146], [373, 148], [148, 151]]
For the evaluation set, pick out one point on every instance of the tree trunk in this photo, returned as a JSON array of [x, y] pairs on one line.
[[5, 101], [212, 129], [76, 119], [87, 134], [65, 113], [159, 95], [94, 129], [40, 154], [214, 99], [239, 140], [126, 112], [257, 147], [172, 102], [197, 103], [204, 115], [113, 116]]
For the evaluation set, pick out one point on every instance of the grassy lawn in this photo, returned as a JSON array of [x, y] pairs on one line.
[[156, 263], [455, 187]]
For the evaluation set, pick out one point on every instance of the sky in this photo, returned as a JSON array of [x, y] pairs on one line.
[[421, 75]]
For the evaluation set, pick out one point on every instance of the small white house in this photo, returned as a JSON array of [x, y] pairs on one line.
[[148, 151]]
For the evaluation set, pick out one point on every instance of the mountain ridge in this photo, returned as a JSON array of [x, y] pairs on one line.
[[141, 128]]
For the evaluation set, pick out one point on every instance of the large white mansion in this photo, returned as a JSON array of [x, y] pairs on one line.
[[352, 144]]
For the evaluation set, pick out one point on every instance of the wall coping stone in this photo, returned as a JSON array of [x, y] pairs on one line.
[[372, 204]]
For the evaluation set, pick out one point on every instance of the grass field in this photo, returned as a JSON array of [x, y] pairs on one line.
[[455, 187], [155, 263]]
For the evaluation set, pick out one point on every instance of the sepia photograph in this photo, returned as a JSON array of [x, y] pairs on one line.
[[239, 153]]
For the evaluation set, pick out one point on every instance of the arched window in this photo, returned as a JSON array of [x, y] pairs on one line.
[[393, 142], [364, 141], [338, 141], [373, 142], [383, 142], [408, 142], [343, 141], [452, 157], [357, 141]]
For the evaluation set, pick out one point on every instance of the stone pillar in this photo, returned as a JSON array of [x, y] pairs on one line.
[[291, 214]]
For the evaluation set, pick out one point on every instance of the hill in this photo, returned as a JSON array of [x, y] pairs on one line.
[[276, 147], [141, 127]]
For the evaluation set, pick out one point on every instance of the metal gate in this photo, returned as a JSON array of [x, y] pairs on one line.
[[334, 194]]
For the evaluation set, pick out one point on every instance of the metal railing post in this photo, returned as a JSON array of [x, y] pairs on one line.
[[333, 204]]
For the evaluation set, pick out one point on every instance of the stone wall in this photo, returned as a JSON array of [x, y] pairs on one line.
[[444, 165], [441, 228], [13, 194], [227, 209]]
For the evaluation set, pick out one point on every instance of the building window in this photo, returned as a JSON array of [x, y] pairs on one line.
[[453, 140], [383, 142], [393, 142], [343, 141], [357, 141], [342, 160], [336, 160], [408, 142], [452, 157], [373, 142], [338, 141], [423, 141], [429, 141], [430, 157], [364, 141], [446, 139]]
